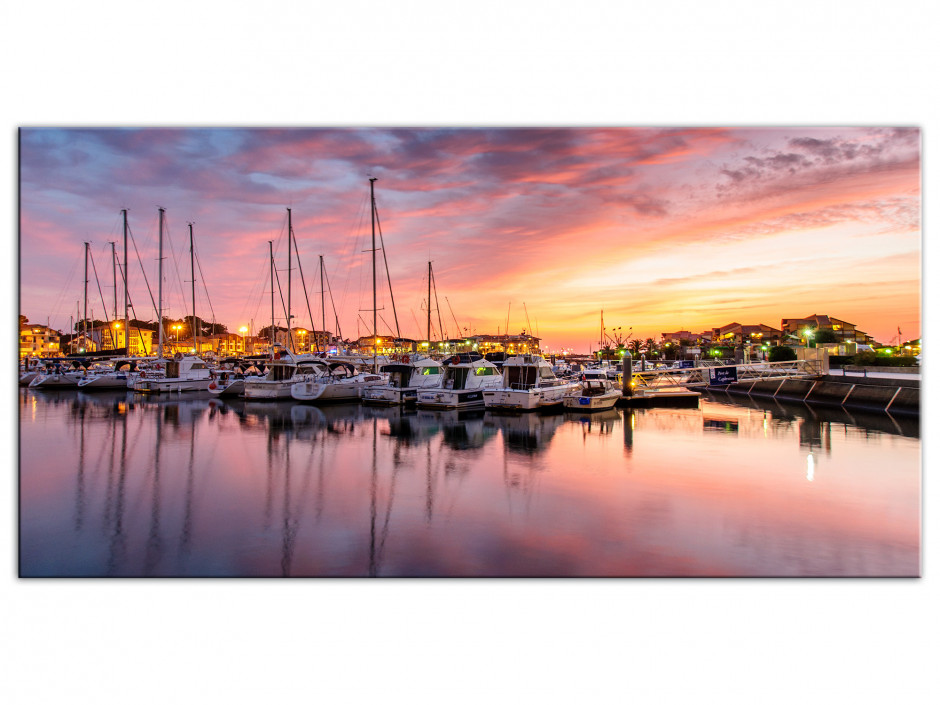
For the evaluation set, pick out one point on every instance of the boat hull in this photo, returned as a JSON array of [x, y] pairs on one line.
[[526, 399], [266, 390], [235, 388], [451, 399], [54, 382], [107, 381], [389, 396], [599, 402], [166, 386], [314, 391]]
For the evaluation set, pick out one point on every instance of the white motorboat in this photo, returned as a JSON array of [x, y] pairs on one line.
[[599, 373], [341, 381], [184, 373], [466, 376], [283, 369], [593, 395], [406, 378], [528, 384]]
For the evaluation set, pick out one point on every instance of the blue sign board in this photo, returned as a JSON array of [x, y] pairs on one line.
[[722, 375], [686, 364]]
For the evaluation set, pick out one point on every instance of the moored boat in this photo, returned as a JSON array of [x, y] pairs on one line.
[[528, 384], [57, 376], [282, 370], [340, 381], [406, 377], [466, 376], [592, 395], [184, 373], [121, 375]]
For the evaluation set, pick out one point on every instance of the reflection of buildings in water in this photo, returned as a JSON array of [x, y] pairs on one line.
[[815, 435], [527, 433]]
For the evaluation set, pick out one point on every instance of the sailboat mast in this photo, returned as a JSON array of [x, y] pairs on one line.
[[271, 250], [290, 238], [114, 279], [429, 307], [85, 318], [160, 288], [127, 332], [322, 307], [192, 272], [375, 306]]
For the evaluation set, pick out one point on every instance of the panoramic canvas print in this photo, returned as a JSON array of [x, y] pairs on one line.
[[470, 352]]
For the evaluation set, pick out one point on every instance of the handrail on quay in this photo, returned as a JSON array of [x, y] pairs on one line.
[[752, 371]]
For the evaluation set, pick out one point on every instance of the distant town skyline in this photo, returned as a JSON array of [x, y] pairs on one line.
[[661, 229]]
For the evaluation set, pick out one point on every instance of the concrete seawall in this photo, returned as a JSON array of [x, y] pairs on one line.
[[897, 396]]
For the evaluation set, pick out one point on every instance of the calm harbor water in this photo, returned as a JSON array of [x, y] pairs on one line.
[[113, 484]]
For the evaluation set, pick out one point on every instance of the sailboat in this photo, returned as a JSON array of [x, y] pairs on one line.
[[184, 373], [344, 380], [408, 375], [283, 367]]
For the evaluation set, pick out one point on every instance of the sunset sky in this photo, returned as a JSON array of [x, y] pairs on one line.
[[662, 229]]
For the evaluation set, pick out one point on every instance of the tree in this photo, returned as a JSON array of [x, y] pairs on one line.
[[781, 353], [826, 336], [92, 324], [23, 320]]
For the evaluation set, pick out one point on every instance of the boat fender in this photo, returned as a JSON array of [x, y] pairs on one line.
[[405, 359], [212, 385]]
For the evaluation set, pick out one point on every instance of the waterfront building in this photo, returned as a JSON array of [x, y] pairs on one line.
[[845, 332], [386, 345], [740, 334], [307, 341], [39, 341], [510, 344], [114, 336], [224, 344]]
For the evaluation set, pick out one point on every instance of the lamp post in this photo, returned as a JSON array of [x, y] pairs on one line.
[[243, 330]]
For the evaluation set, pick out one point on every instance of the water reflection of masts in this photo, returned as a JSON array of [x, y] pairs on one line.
[[117, 544], [377, 544], [186, 531], [80, 479], [154, 539]]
